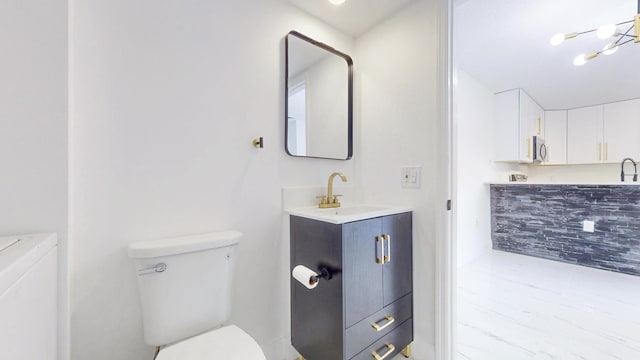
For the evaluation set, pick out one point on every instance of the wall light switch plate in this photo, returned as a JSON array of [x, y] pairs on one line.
[[410, 177], [588, 226]]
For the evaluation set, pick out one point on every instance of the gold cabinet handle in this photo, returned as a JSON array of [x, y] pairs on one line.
[[380, 240], [606, 151], [599, 151], [389, 320], [528, 148], [387, 257], [539, 125], [390, 350]]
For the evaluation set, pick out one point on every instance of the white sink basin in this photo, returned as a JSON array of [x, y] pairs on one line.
[[347, 212]]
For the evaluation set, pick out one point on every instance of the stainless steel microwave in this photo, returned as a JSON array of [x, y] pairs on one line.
[[539, 150]]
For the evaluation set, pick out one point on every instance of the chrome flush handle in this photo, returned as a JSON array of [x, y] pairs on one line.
[[152, 270]]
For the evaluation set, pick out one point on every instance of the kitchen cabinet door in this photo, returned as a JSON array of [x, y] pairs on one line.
[[517, 119], [508, 141], [555, 137], [584, 135], [621, 131], [531, 117]]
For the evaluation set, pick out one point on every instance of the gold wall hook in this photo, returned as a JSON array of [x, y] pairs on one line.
[[258, 143]]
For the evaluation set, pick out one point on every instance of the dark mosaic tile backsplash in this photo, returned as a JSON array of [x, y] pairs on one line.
[[546, 221]]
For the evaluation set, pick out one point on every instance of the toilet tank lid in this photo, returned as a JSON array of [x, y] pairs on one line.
[[183, 244]]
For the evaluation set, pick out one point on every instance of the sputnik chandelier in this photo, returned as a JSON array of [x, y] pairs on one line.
[[608, 31]]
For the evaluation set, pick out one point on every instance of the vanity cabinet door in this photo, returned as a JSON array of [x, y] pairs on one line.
[[397, 270], [361, 271]]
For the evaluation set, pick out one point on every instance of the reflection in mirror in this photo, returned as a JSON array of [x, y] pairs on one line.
[[319, 99]]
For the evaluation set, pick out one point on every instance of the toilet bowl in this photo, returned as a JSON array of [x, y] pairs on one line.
[[184, 285], [226, 343]]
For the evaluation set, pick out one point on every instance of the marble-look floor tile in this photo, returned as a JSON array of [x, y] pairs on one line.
[[516, 307]]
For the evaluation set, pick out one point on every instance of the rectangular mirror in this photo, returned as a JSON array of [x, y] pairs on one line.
[[318, 99]]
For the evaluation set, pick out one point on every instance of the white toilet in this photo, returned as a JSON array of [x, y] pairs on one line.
[[185, 293]]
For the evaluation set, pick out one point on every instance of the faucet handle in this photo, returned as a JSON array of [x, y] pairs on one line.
[[335, 198], [323, 199]]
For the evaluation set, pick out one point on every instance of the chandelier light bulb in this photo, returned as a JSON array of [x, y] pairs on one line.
[[580, 60], [336, 2], [610, 48], [606, 31], [557, 39]]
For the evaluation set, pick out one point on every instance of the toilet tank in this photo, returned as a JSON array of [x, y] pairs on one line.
[[184, 284]]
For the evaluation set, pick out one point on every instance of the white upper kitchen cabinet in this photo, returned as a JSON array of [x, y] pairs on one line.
[[604, 133], [621, 131], [584, 135], [555, 136], [517, 119]]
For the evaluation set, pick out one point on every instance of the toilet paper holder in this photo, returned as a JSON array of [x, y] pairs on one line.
[[310, 278], [325, 273]]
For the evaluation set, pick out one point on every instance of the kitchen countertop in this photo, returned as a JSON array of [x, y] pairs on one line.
[[601, 183]]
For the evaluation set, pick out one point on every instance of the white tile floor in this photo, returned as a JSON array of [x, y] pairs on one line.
[[515, 307]]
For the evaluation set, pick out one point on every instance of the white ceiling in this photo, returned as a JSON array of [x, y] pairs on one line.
[[353, 17], [504, 44]]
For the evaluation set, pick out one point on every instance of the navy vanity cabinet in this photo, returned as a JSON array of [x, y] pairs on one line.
[[369, 298]]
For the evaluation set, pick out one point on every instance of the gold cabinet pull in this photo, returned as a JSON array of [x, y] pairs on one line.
[[390, 350], [389, 320], [528, 148], [599, 151], [539, 125], [380, 240], [387, 257], [606, 151]]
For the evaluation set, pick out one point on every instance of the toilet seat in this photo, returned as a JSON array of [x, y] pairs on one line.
[[228, 343]]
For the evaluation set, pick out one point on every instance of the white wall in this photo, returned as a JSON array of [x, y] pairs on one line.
[[167, 97], [474, 169], [594, 173], [33, 128], [395, 69]]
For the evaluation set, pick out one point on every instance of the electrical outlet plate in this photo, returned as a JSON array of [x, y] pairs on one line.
[[588, 226], [410, 177]]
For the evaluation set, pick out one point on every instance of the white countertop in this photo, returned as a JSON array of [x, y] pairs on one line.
[[347, 212]]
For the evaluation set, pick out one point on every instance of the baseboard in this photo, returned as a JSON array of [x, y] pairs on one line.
[[421, 350], [279, 349]]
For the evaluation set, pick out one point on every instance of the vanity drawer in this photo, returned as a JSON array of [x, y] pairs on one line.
[[358, 336], [390, 345]]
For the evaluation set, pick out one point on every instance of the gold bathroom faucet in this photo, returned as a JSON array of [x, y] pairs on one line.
[[331, 201]]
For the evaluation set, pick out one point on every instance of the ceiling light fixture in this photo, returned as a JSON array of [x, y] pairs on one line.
[[336, 2], [632, 33]]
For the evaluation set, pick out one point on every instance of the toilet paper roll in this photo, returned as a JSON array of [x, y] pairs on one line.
[[305, 276]]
